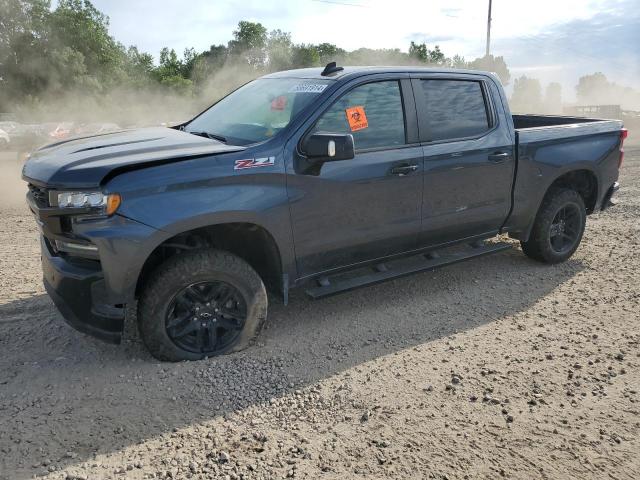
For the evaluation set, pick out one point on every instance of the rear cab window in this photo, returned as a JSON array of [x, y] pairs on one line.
[[372, 113], [453, 109]]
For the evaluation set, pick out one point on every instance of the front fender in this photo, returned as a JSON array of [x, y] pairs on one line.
[[199, 193]]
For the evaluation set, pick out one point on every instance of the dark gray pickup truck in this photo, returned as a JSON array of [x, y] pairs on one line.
[[328, 179]]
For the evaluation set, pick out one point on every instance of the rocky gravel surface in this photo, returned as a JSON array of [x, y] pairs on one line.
[[497, 367]]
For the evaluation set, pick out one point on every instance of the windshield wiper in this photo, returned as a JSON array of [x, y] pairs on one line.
[[212, 136]]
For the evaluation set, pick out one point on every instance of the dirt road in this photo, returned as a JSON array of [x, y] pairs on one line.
[[498, 367]]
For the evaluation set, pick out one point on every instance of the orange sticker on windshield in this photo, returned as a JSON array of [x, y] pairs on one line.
[[357, 118], [279, 103]]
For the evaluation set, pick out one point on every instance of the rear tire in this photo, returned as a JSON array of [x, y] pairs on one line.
[[558, 227], [201, 304]]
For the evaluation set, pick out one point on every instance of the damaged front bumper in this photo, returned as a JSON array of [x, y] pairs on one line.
[[78, 290]]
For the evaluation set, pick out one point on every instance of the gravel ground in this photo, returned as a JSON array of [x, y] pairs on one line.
[[498, 367]]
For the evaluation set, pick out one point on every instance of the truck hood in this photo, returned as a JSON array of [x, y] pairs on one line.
[[86, 161]]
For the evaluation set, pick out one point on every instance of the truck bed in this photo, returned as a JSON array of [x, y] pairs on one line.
[[536, 121], [548, 146], [537, 128]]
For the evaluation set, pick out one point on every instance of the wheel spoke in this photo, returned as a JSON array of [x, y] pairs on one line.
[[212, 337], [194, 293], [231, 322], [229, 313], [185, 328], [183, 302], [224, 295], [202, 338], [567, 237], [179, 321]]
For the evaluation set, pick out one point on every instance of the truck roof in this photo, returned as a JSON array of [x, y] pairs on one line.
[[356, 71]]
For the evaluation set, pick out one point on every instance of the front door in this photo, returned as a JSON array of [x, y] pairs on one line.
[[350, 211]]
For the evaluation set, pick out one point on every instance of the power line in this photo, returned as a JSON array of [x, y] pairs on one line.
[[341, 3]]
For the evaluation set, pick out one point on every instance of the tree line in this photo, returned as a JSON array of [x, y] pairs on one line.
[[67, 51]]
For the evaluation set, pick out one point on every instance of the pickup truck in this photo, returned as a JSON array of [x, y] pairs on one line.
[[327, 179]]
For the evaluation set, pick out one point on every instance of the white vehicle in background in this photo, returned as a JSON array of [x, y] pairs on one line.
[[4, 140]]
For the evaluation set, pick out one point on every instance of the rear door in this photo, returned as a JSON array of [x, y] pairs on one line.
[[469, 157], [350, 211]]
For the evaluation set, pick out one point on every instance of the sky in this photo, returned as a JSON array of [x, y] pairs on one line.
[[552, 40]]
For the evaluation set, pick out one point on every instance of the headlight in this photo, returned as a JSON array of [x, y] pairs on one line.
[[106, 203]]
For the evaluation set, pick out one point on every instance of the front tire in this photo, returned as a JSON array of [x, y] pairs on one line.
[[558, 227], [201, 304]]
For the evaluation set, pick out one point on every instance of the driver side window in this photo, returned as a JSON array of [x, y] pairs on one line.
[[372, 113]]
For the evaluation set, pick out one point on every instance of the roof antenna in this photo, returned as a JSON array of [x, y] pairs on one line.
[[330, 69]]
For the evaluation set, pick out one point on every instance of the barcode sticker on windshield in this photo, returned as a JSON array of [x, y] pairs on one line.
[[307, 88]]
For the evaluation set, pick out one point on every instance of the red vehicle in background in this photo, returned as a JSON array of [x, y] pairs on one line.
[[61, 131]]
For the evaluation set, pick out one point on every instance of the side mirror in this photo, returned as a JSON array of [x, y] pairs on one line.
[[329, 147]]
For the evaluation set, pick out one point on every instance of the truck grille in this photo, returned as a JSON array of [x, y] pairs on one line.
[[40, 195]]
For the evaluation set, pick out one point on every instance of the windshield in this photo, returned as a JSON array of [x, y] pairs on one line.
[[257, 111]]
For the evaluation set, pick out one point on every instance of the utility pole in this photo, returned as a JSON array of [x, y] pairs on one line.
[[488, 30]]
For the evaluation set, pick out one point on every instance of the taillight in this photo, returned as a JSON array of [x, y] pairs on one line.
[[623, 134]]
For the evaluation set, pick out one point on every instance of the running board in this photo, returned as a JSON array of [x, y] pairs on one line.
[[331, 285]]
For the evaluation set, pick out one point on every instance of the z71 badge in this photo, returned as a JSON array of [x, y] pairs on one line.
[[255, 162]]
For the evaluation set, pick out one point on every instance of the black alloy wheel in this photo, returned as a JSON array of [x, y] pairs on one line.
[[558, 227], [565, 230], [206, 317]]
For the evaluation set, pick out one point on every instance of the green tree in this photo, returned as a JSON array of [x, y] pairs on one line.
[[436, 56], [527, 95], [419, 51], [173, 71], [207, 64], [305, 56], [249, 43], [553, 98], [593, 88], [23, 48], [329, 52], [458, 62], [78, 25], [381, 56], [279, 47], [596, 89], [492, 64], [139, 67]]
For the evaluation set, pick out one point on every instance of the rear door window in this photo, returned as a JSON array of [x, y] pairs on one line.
[[372, 113], [454, 109]]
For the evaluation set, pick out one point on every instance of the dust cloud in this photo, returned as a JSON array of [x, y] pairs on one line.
[[144, 106], [12, 188]]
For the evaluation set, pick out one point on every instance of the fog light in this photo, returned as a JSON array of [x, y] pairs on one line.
[[72, 247]]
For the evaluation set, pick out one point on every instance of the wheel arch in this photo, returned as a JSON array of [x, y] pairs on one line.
[[248, 240], [584, 181], [581, 178]]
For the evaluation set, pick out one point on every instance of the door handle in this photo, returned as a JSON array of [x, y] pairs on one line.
[[404, 169], [499, 157]]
